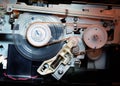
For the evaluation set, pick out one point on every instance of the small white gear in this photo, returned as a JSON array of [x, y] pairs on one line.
[[38, 34], [95, 36]]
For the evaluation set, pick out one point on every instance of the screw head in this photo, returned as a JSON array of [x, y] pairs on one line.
[[60, 72]]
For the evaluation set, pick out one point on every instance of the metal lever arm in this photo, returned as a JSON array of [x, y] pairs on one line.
[[63, 57]]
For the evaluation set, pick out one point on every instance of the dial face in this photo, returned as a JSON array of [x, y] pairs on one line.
[[38, 34]]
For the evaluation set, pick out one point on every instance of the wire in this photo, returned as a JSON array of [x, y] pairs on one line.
[[13, 78]]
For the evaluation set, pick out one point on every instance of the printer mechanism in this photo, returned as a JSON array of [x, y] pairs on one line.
[[40, 39]]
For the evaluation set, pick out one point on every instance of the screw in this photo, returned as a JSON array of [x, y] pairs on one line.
[[60, 72]]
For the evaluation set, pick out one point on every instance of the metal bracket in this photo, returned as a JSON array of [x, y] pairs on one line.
[[62, 11]]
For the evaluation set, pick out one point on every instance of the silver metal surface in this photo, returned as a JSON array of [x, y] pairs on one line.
[[60, 71]]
